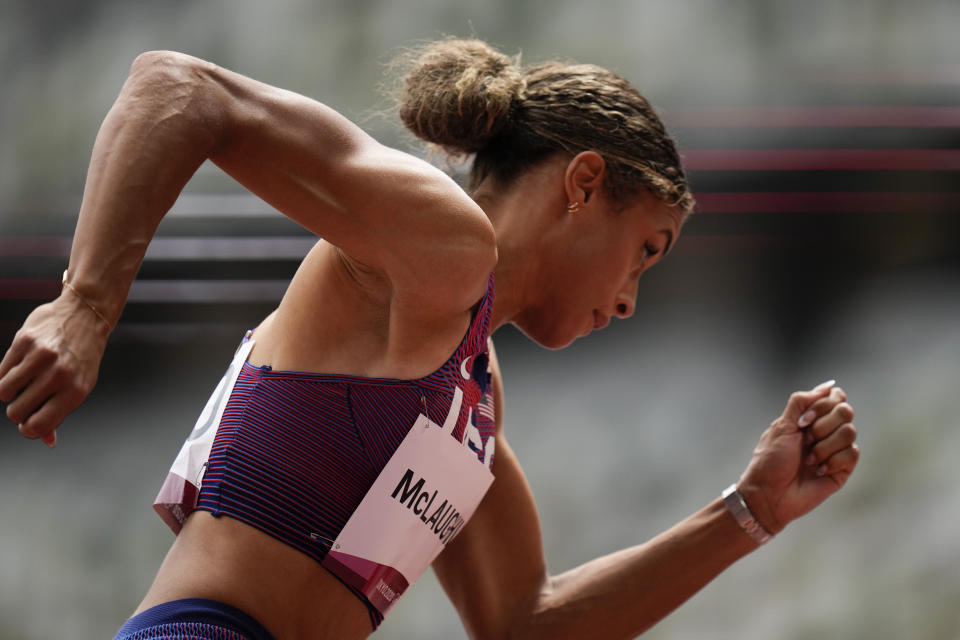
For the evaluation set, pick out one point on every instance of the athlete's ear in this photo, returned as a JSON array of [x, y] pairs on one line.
[[584, 176]]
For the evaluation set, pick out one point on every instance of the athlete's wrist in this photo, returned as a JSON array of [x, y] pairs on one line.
[[738, 507], [70, 290]]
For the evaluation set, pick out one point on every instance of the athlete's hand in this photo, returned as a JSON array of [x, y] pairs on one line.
[[52, 365], [805, 456]]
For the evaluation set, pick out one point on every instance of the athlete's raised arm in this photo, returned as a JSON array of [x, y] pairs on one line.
[[495, 571], [383, 209]]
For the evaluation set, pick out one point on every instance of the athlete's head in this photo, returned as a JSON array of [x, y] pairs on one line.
[[467, 97], [599, 136]]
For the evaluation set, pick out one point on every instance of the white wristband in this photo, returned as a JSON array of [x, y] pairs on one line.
[[741, 513]]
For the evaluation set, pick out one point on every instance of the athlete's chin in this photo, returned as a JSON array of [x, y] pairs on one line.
[[552, 338], [554, 345]]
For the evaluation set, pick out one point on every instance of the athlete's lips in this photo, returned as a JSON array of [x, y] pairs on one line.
[[599, 321]]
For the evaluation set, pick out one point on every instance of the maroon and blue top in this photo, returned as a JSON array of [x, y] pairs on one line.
[[295, 453]]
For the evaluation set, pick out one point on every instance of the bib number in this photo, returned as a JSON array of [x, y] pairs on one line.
[[420, 501]]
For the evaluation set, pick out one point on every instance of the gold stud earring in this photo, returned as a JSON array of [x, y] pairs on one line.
[[573, 207]]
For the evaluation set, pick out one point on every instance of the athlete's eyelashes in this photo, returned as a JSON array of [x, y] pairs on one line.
[[651, 251]]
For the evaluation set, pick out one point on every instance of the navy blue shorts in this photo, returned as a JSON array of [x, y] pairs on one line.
[[192, 619]]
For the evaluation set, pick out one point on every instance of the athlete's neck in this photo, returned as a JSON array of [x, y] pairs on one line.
[[520, 214]]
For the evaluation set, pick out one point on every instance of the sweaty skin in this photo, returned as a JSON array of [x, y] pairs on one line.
[[405, 256]]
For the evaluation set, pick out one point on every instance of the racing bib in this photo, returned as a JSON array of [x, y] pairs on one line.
[[420, 501]]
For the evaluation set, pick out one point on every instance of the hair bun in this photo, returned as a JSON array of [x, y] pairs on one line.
[[458, 93]]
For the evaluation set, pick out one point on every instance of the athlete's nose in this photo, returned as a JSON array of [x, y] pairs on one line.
[[627, 299]]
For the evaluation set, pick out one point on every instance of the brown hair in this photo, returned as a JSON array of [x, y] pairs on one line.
[[468, 98]]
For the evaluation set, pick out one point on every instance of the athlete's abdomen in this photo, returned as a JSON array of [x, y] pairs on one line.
[[285, 590]]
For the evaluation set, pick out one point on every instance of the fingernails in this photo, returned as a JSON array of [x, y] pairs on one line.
[[806, 418], [822, 470], [824, 385], [51, 439]]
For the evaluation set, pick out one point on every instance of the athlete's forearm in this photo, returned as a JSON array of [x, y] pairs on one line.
[[623, 594], [156, 135]]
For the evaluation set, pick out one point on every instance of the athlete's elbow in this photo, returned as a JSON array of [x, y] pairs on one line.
[[514, 628], [159, 70], [535, 616], [172, 87], [151, 60]]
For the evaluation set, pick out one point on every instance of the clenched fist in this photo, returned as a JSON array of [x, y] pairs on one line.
[[52, 365], [805, 456]]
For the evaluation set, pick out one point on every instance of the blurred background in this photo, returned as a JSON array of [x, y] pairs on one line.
[[823, 141]]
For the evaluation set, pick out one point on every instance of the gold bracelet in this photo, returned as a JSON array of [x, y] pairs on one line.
[[84, 300]]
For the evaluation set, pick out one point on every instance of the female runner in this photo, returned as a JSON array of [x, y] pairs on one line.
[[351, 449]]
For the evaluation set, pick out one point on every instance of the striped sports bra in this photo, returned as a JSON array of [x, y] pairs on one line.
[[302, 457]]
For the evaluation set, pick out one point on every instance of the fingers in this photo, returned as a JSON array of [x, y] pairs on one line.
[[830, 431], [12, 357], [840, 412], [28, 363], [821, 405], [50, 367], [831, 436], [41, 390], [840, 465], [796, 414], [841, 438], [35, 393], [43, 421]]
